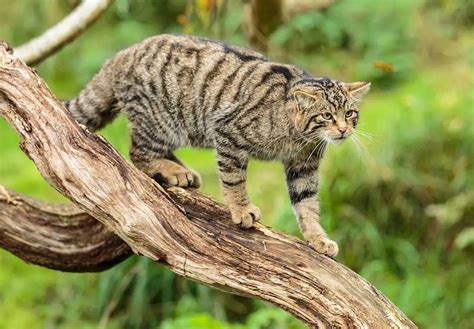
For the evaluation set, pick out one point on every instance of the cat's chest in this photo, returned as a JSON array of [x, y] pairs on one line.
[[279, 150]]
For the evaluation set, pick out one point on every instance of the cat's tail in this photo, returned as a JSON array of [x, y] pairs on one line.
[[96, 104]]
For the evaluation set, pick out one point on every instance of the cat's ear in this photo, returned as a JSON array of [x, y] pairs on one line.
[[357, 89], [305, 100]]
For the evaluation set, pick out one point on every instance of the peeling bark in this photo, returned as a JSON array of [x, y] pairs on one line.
[[183, 230]]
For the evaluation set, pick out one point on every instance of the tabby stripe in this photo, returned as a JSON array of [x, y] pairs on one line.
[[78, 109], [139, 57], [183, 74], [205, 86], [228, 169], [243, 57], [152, 87], [156, 51], [309, 121], [225, 85], [245, 76], [273, 88], [316, 128], [145, 98], [133, 112], [272, 122], [344, 102], [256, 90], [257, 103], [193, 83], [227, 118], [146, 148], [227, 156], [231, 140], [209, 76], [330, 101], [303, 81], [265, 77], [297, 197], [251, 143], [279, 69], [154, 141], [295, 173], [231, 184], [162, 75], [142, 100], [249, 123]]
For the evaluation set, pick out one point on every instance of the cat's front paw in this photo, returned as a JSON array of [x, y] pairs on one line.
[[245, 216], [323, 245]]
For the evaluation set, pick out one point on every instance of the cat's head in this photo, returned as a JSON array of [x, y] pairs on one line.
[[326, 109]]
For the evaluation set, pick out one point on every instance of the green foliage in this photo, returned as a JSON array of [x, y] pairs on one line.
[[367, 29], [402, 210]]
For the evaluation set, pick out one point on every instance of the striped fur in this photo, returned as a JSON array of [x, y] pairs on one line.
[[188, 91]]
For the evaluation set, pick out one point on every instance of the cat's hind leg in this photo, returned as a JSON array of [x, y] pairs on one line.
[[155, 157]]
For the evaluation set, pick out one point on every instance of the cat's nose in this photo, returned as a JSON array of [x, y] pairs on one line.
[[342, 130]]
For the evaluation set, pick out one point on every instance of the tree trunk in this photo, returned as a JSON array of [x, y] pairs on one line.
[[263, 17], [181, 229]]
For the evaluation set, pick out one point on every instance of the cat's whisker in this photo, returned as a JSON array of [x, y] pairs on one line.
[[359, 134], [370, 137], [303, 145], [357, 145], [364, 148], [308, 141], [321, 144]]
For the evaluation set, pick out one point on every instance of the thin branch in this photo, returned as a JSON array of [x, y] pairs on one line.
[[185, 231], [56, 37]]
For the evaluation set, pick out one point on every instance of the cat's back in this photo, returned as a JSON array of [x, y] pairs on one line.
[[186, 82], [173, 52]]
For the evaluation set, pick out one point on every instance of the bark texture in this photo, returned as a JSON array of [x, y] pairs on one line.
[[184, 230], [53, 39], [60, 237]]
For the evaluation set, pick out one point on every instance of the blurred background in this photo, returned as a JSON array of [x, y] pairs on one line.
[[400, 204]]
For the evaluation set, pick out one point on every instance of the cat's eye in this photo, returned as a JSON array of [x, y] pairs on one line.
[[349, 114], [326, 116]]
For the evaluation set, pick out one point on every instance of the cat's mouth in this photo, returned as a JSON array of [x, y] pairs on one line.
[[337, 140]]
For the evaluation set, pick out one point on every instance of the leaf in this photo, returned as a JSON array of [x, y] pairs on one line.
[[464, 238]]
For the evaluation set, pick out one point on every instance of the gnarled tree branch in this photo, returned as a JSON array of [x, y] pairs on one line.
[[60, 237], [185, 231], [56, 37]]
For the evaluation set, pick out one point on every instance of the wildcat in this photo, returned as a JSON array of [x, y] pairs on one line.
[[181, 90]]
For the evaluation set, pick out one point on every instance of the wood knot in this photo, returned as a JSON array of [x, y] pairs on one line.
[[5, 54], [6, 46], [5, 196]]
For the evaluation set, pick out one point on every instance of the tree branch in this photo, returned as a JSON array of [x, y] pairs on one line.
[[184, 230], [60, 237], [56, 37]]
